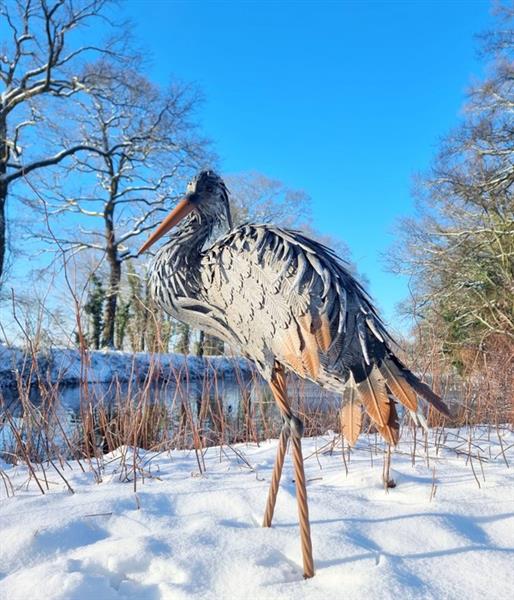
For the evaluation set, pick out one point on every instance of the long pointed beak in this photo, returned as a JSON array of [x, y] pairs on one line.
[[183, 208]]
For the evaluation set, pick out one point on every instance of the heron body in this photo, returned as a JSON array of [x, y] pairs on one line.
[[285, 301]]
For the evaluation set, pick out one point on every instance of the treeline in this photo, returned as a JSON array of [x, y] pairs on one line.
[[459, 250]]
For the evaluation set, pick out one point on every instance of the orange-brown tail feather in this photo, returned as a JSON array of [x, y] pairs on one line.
[[391, 432], [396, 382], [351, 416], [373, 395], [403, 384], [423, 390]]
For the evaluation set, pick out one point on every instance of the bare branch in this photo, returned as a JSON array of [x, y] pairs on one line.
[[23, 171]]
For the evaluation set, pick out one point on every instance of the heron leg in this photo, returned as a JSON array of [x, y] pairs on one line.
[[293, 428], [303, 508], [277, 473]]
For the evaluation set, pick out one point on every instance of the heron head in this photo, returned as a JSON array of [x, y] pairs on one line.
[[207, 195], [208, 192]]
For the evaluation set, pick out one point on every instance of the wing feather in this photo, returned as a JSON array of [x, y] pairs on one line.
[[321, 326], [309, 348], [292, 300]]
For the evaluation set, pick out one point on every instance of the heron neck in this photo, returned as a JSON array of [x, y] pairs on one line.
[[183, 251], [190, 236]]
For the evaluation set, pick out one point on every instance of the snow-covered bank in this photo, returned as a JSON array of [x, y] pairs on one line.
[[185, 535], [68, 367]]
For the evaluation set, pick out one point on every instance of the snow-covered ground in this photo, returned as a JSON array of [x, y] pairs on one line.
[[68, 366], [185, 535]]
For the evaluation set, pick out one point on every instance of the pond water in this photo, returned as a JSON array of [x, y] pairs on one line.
[[234, 409]]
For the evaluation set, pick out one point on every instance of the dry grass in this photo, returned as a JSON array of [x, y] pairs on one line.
[[160, 415]]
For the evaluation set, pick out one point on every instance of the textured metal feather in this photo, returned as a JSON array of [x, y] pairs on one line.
[[351, 416], [361, 331], [321, 327], [370, 322], [302, 267], [373, 394], [399, 387], [310, 355], [391, 431], [426, 393], [279, 296], [291, 345]]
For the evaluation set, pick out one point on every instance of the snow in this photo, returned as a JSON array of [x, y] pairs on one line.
[[68, 366], [183, 534]]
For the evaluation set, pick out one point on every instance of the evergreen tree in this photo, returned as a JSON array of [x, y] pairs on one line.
[[183, 343], [94, 309], [122, 320]]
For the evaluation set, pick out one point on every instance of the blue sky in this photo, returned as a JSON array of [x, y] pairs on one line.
[[346, 100]]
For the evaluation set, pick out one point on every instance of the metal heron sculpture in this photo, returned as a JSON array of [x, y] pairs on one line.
[[286, 301]]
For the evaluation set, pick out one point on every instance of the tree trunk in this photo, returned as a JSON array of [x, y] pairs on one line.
[[200, 344], [111, 298], [3, 227], [213, 346], [111, 250], [3, 193], [184, 338]]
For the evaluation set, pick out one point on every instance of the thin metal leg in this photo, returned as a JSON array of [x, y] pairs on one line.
[[303, 508], [275, 478], [293, 429]]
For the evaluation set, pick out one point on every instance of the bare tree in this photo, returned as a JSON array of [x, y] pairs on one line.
[[459, 252], [257, 198], [40, 59], [145, 145]]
